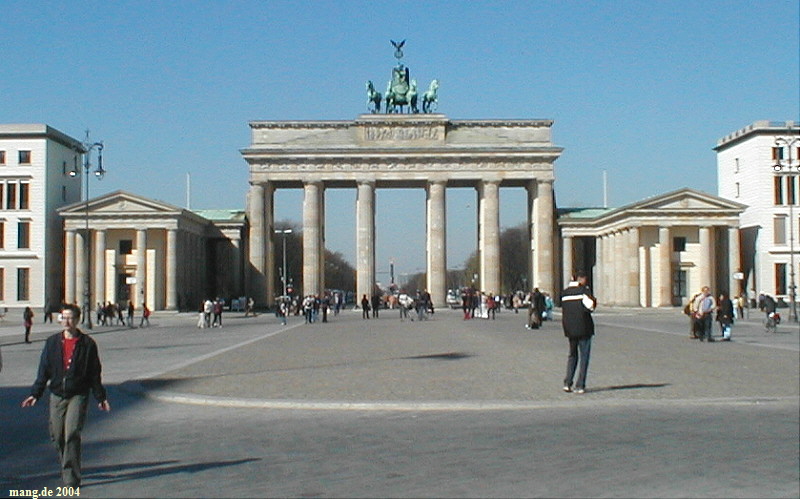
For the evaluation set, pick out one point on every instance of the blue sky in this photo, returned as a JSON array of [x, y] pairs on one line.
[[641, 89]]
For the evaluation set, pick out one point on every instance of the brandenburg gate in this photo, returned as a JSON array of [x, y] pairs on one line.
[[377, 151]]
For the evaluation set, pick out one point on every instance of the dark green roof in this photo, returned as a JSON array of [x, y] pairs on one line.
[[582, 213], [222, 215]]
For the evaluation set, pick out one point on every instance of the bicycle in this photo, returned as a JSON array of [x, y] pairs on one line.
[[773, 319]]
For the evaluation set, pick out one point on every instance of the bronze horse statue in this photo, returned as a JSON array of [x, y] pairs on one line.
[[430, 98], [373, 98]]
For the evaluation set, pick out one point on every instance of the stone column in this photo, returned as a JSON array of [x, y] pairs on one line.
[[598, 279], [365, 239], [437, 242], [100, 267], [608, 265], [70, 272], [545, 243], [734, 261], [312, 238], [260, 213], [141, 267], [236, 265], [80, 269], [172, 269], [489, 192], [613, 278], [270, 269], [664, 267], [634, 292], [567, 261], [704, 265]]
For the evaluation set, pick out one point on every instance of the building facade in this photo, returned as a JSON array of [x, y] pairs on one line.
[[747, 173], [657, 252], [148, 251], [35, 161]]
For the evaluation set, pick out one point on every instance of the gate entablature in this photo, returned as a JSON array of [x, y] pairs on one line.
[[401, 148]]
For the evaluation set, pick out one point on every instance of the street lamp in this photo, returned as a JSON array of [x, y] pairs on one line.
[[283, 277], [787, 163], [87, 146]]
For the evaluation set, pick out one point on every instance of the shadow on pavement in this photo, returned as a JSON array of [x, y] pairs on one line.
[[628, 387], [162, 382], [102, 475], [439, 356]]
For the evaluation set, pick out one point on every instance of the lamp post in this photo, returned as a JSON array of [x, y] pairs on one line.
[[779, 166], [283, 277], [87, 146]]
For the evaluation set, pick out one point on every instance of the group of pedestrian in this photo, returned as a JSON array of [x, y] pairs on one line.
[[210, 313], [315, 305], [108, 313], [421, 304], [702, 308], [479, 304], [540, 308]]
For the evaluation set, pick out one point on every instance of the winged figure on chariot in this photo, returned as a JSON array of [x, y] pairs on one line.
[[401, 91]]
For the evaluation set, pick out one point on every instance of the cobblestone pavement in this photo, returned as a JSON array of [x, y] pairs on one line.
[[441, 408], [446, 361]]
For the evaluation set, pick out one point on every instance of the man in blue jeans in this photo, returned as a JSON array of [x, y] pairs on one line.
[[71, 366], [577, 305]]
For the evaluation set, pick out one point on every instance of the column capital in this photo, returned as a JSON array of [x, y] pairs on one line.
[[367, 181]]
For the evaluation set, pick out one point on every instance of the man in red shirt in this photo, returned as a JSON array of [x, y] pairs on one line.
[[70, 366]]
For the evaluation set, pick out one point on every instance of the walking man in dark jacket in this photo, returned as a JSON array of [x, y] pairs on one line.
[[71, 365], [577, 305]]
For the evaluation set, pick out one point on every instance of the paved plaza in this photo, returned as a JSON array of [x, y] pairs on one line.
[[443, 407]]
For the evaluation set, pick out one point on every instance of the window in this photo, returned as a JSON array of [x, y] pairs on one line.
[[2, 157], [780, 278], [777, 153], [778, 190], [23, 284], [11, 196], [790, 189], [779, 230], [2, 236], [679, 244], [738, 190], [126, 247], [63, 193], [736, 165], [24, 157], [24, 235], [2, 284], [23, 195]]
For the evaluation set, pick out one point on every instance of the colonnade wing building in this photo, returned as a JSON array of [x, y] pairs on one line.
[[426, 151], [148, 251], [656, 252]]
